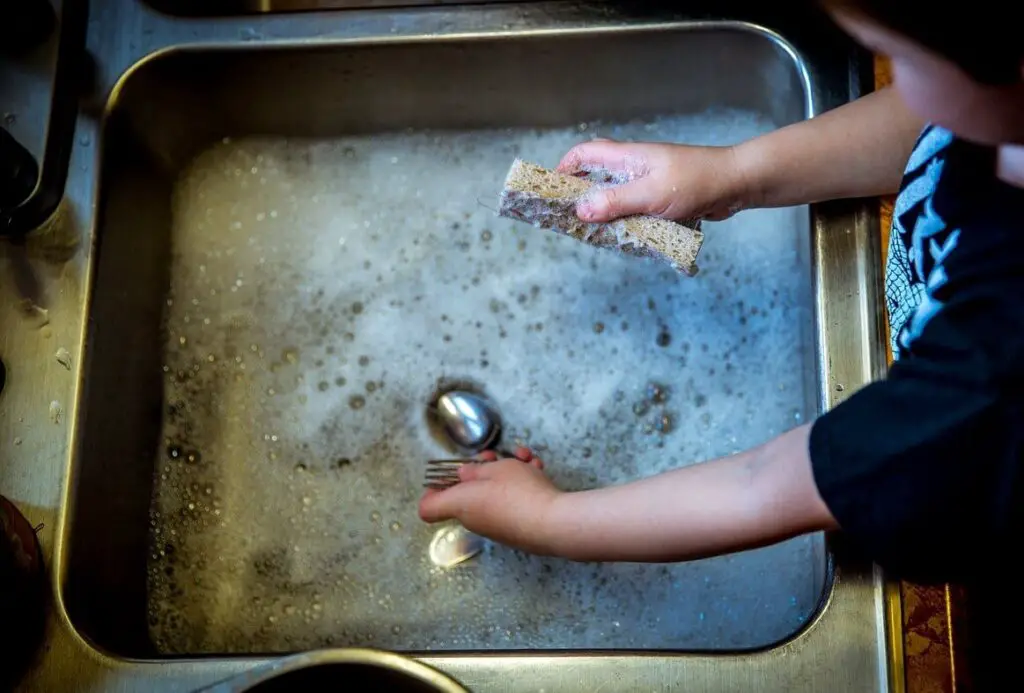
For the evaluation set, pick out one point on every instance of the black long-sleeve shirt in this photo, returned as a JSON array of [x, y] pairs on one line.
[[924, 469]]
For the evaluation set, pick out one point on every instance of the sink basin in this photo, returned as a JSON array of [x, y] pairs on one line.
[[298, 249]]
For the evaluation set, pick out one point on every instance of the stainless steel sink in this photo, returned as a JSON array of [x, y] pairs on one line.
[[293, 249]]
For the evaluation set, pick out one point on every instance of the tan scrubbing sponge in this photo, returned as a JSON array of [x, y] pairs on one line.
[[547, 199]]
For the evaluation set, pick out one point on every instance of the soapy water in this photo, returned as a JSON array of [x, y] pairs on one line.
[[321, 292]]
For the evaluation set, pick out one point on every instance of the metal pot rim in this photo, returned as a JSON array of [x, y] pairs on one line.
[[412, 668]]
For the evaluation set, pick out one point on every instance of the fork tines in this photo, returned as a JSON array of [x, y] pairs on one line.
[[442, 474]]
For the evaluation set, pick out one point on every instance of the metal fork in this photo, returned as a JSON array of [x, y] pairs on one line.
[[442, 474]]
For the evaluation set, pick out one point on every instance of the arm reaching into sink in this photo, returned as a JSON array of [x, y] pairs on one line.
[[743, 501], [856, 150]]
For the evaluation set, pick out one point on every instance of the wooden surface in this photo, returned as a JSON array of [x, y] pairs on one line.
[[930, 658]]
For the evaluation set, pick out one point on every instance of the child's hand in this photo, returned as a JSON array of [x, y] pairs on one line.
[[507, 501], [672, 181]]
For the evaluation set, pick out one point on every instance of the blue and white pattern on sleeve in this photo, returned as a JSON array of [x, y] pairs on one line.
[[919, 243]]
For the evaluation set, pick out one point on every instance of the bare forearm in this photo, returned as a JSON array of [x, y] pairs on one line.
[[751, 499], [856, 150]]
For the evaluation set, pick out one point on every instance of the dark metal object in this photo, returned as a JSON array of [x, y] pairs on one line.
[[24, 24], [18, 171], [20, 213]]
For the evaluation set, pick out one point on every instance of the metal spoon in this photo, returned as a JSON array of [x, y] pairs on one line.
[[453, 545], [469, 421]]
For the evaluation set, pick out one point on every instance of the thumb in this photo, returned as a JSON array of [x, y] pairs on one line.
[[452, 503], [605, 204]]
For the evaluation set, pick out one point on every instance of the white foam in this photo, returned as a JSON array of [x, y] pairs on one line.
[[379, 260]]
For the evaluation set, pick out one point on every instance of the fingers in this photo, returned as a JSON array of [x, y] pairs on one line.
[[487, 456], [639, 196], [602, 153], [523, 454], [605, 204], [436, 506], [469, 472], [455, 501]]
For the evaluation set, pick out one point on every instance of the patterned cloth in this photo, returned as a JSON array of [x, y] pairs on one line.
[[916, 232]]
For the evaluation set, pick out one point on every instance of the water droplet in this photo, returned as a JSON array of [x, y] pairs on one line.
[[656, 393], [598, 327], [357, 307], [356, 402], [641, 407]]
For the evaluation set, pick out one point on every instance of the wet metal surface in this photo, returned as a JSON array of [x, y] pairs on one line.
[[205, 266]]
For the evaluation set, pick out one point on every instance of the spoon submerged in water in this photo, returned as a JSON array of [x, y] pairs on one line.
[[468, 419]]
